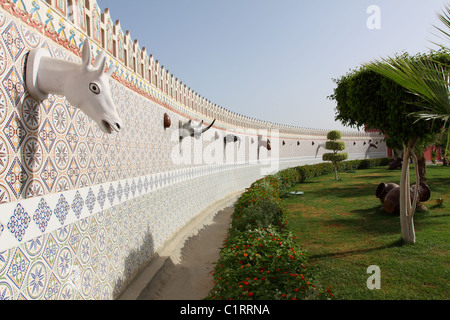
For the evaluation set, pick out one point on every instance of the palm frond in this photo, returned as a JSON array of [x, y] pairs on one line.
[[445, 19]]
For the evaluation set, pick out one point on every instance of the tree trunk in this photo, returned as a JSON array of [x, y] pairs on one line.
[[421, 164], [336, 172], [407, 208]]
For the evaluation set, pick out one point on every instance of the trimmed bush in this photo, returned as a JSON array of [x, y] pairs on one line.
[[363, 164], [334, 135], [258, 215], [335, 146], [287, 178], [259, 191], [335, 157], [311, 171]]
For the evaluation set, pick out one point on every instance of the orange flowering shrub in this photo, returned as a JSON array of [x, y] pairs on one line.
[[264, 264]]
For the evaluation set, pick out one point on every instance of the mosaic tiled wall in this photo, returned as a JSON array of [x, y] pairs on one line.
[[81, 211]]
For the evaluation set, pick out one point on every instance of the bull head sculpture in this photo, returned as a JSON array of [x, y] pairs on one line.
[[187, 129]]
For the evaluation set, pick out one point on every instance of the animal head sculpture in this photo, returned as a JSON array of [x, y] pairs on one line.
[[167, 121], [231, 138], [264, 143], [85, 86], [188, 129]]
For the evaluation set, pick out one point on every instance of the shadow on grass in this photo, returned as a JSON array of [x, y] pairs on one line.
[[345, 192], [374, 212], [438, 185], [340, 254], [380, 177], [428, 214], [370, 221]]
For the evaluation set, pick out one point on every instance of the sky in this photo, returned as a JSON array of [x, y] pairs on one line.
[[275, 60]]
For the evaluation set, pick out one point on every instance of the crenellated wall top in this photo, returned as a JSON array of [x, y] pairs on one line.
[[69, 22]]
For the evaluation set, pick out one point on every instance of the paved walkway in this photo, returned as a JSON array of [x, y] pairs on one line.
[[192, 278], [189, 278]]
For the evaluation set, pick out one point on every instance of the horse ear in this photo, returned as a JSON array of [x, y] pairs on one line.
[[86, 53], [102, 66], [99, 60]]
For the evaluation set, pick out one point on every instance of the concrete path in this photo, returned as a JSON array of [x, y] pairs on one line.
[[192, 278], [183, 270]]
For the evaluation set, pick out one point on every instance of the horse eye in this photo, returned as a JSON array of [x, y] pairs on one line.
[[94, 88]]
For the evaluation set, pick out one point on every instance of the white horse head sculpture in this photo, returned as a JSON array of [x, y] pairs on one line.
[[85, 86]]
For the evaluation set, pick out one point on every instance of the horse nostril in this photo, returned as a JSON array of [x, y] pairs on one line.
[[118, 126]]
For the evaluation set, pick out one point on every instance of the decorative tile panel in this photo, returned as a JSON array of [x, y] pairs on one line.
[[16, 178], [18, 267], [62, 209], [4, 156], [42, 215], [13, 41], [14, 131], [14, 86]]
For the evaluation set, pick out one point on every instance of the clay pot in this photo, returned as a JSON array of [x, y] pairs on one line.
[[383, 189], [424, 191], [391, 202], [167, 122]]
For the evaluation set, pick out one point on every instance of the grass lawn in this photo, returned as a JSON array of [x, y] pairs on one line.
[[343, 228]]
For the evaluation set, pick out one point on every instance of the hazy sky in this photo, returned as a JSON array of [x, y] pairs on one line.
[[275, 60]]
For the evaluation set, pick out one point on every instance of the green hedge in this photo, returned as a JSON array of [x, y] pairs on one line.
[[363, 164], [260, 258]]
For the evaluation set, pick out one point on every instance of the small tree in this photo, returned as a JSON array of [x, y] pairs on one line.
[[366, 98], [335, 146]]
